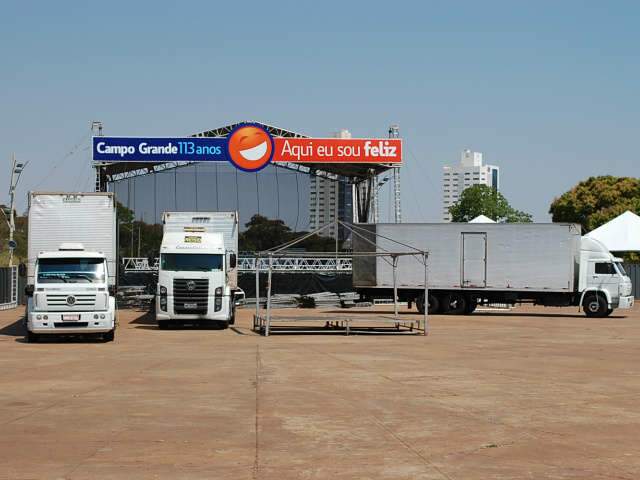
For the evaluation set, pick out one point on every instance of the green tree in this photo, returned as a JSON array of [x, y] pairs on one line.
[[263, 233], [597, 200], [135, 232], [20, 236], [484, 200]]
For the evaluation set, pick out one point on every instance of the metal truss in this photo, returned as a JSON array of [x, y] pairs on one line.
[[106, 172], [248, 264], [296, 264], [139, 264]]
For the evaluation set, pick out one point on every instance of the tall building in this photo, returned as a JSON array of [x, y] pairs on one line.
[[330, 200], [469, 172]]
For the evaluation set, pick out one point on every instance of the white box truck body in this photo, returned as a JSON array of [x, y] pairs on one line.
[[197, 276], [71, 266], [547, 264]]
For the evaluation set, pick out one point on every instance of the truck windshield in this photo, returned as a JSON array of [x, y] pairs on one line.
[[71, 270], [620, 268], [190, 262]]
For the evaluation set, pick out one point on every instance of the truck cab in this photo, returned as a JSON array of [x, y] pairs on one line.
[[193, 278], [70, 294], [603, 282]]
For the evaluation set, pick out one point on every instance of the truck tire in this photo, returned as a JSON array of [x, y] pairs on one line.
[[455, 303], [109, 336], [595, 305], [472, 303], [31, 337], [232, 319], [434, 304]]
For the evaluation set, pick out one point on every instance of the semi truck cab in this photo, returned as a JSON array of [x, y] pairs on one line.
[[193, 284], [70, 294], [603, 282]]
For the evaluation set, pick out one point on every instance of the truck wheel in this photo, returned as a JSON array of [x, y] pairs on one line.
[[455, 304], [609, 311], [595, 305], [472, 303], [109, 336], [232, 320], [31, 337], [434, 304]]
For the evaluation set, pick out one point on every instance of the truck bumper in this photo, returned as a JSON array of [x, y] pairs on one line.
[[55, 323], [221, 316], [626, 302]]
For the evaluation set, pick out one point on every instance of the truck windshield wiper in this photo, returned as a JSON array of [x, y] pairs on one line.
[[55, 275]]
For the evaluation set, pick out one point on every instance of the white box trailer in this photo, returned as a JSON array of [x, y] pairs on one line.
[[71, 265], [86, 218], [549, 264]]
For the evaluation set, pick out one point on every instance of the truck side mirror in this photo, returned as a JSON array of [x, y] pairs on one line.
[[28, 290], [22, 270], [233, 260]]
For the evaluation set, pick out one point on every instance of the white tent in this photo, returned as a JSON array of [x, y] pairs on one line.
[[482, 219], [622, 234]]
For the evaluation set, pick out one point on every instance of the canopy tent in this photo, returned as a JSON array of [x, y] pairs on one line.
[[622, 234], [482, 219]]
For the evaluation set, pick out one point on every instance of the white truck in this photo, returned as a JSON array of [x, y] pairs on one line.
[[71, 269], [471, 264], [197, 276]]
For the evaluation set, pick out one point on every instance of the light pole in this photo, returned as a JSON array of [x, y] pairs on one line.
[[9, 214]]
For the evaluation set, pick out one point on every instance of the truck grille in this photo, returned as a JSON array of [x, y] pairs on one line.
[[197, 295], [75, 300]]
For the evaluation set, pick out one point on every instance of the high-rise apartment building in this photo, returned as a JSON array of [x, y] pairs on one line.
[[469, 172], [330, 200]]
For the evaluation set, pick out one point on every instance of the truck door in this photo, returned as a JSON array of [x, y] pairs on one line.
[[604, 276], [474, 259]]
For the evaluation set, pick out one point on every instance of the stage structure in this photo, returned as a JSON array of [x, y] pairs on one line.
[[360, 172]]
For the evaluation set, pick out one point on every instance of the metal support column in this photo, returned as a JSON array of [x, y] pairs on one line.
[[394, 259], [268, 326], [425, 257], [394, 132]]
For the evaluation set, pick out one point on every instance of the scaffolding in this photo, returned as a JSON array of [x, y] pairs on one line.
[[262, 322]]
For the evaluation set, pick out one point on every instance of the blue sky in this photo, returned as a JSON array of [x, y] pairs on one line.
[[546, 90]]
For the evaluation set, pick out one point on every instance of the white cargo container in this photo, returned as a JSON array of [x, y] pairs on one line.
[[198, 277], [471, 263], [71, 266]]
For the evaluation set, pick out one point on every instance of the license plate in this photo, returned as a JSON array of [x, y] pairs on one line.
[[191, 306], [71, 318]]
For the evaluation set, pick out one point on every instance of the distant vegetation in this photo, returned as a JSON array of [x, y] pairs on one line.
[[20, 236], [484, 200], [596, 200]]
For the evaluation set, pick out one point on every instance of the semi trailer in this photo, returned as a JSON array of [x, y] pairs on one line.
[[71, 266], [473, 264], [197, 276]]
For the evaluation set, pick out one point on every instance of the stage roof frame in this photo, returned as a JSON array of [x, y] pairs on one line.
[[357, 172]]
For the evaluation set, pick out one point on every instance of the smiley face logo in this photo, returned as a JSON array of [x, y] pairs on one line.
[[250, 148]]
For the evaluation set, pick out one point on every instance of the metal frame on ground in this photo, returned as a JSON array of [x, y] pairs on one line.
[[263, 323]]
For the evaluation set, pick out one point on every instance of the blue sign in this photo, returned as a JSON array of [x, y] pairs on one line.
[[154, 149]]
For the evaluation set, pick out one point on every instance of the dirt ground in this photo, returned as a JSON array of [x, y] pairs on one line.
[[532, 393]]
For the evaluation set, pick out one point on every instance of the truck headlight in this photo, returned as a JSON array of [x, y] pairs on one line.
[[218, 304], [219, 292], [163, 290]]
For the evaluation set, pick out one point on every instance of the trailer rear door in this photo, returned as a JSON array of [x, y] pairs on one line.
[[474, 259]]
